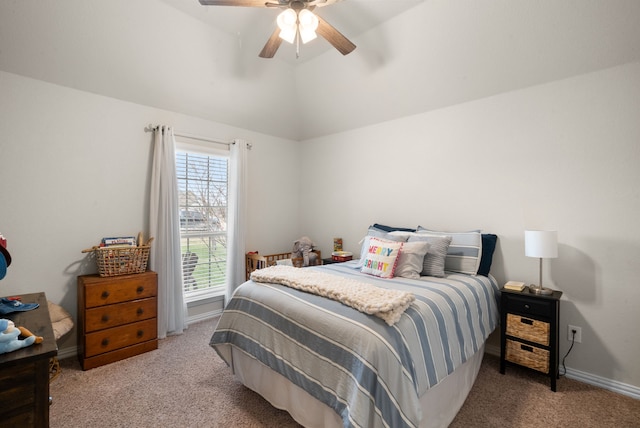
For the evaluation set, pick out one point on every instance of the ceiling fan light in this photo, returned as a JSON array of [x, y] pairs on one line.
[[308, 20], [307, 35], [308, 25], [287, 22], [288, 35], [287, 19]]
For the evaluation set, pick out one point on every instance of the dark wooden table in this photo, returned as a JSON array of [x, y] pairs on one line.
[[24, 374]]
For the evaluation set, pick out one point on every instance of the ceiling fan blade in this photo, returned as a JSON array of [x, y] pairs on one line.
[[321, 3], [245, 3], [271, 47], [335, 37]]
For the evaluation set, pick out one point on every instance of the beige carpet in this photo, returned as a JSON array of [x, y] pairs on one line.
[[185, 384]]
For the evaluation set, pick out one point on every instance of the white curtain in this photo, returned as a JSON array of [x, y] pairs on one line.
[[236, 222], [164, 225]]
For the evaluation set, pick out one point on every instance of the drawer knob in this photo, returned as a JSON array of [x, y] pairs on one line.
[[526, 348], [105, 342], [140, 311], [526, 306], [105, 318], [105, 294], [140, 289], [140, 333]]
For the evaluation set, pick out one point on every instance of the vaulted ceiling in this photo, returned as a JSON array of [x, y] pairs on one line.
[[350, 17], [412, 56]]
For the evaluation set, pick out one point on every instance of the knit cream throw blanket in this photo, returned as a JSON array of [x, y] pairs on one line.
[[381, 302]]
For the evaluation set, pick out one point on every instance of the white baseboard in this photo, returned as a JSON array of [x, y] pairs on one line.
[[591, 379], [69, 352], [204, 316], [611, 385]]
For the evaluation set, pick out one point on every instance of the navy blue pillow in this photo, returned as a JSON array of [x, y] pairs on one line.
[[488, 247], [392, 228]]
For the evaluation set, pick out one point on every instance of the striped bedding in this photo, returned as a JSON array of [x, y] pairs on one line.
[[371, 374]]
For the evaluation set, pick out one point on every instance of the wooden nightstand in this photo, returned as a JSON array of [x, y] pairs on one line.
[[529, 331]]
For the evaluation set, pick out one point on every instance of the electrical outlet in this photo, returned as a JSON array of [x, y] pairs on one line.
[[578, 336]]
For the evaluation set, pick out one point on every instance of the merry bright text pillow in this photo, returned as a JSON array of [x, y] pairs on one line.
[[381, 257]]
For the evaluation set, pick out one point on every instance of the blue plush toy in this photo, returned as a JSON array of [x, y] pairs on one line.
[[9, 340]]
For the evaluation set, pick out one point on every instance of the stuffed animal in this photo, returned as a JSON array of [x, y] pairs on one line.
[[9, 334], [303, 247]]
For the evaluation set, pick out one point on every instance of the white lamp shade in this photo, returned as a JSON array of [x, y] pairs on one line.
[[287, 22], [308, 25], [541, 243]]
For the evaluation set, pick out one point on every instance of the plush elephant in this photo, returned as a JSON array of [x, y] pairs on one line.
[[303, 247]]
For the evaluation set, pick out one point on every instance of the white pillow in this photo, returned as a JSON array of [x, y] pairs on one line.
[[411, 259]]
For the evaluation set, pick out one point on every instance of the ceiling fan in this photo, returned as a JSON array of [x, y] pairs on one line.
[[296, 23]]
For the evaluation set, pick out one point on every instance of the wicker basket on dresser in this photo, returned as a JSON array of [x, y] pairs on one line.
[[117, 317]]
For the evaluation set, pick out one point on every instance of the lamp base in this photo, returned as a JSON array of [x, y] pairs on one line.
[[538, 289]]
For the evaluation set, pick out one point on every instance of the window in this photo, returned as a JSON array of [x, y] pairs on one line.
[[202, 192]]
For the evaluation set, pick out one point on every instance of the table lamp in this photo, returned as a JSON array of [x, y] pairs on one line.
[[542, 244]]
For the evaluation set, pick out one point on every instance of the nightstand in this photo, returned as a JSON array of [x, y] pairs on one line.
[[529, 331]]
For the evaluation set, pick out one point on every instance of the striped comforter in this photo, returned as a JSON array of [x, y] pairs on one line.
[[371, 374]]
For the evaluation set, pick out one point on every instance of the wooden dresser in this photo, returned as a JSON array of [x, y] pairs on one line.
[[117, 317], [24, 374]]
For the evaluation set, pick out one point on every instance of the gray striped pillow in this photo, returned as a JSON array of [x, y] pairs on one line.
[[434, 261], [464, 252]]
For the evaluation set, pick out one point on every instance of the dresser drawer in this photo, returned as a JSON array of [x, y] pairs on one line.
[[120, 337], [528, 356], [119, 289], [16, 388], [109, 316], [526, 306], [528, 329]]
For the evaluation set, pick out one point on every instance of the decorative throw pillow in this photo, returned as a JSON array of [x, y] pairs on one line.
[[464, 252], [434, 260], [392, 228], [381, 257], [411, 259], [488, 247], [379, 233]]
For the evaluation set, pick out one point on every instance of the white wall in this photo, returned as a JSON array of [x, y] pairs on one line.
[[75, 167], [558, 156]]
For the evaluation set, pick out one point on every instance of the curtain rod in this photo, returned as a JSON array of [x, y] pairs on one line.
[[151, 128]]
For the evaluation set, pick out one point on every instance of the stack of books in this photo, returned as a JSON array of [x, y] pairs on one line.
[[118, 242], [514, 286]]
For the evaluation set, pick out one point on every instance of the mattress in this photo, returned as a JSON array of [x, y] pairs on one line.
[[368, 373]]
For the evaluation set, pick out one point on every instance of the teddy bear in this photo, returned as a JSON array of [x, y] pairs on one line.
[[9, 337], [303, 247]]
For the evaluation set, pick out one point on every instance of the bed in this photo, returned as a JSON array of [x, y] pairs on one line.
[[329, 364]]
